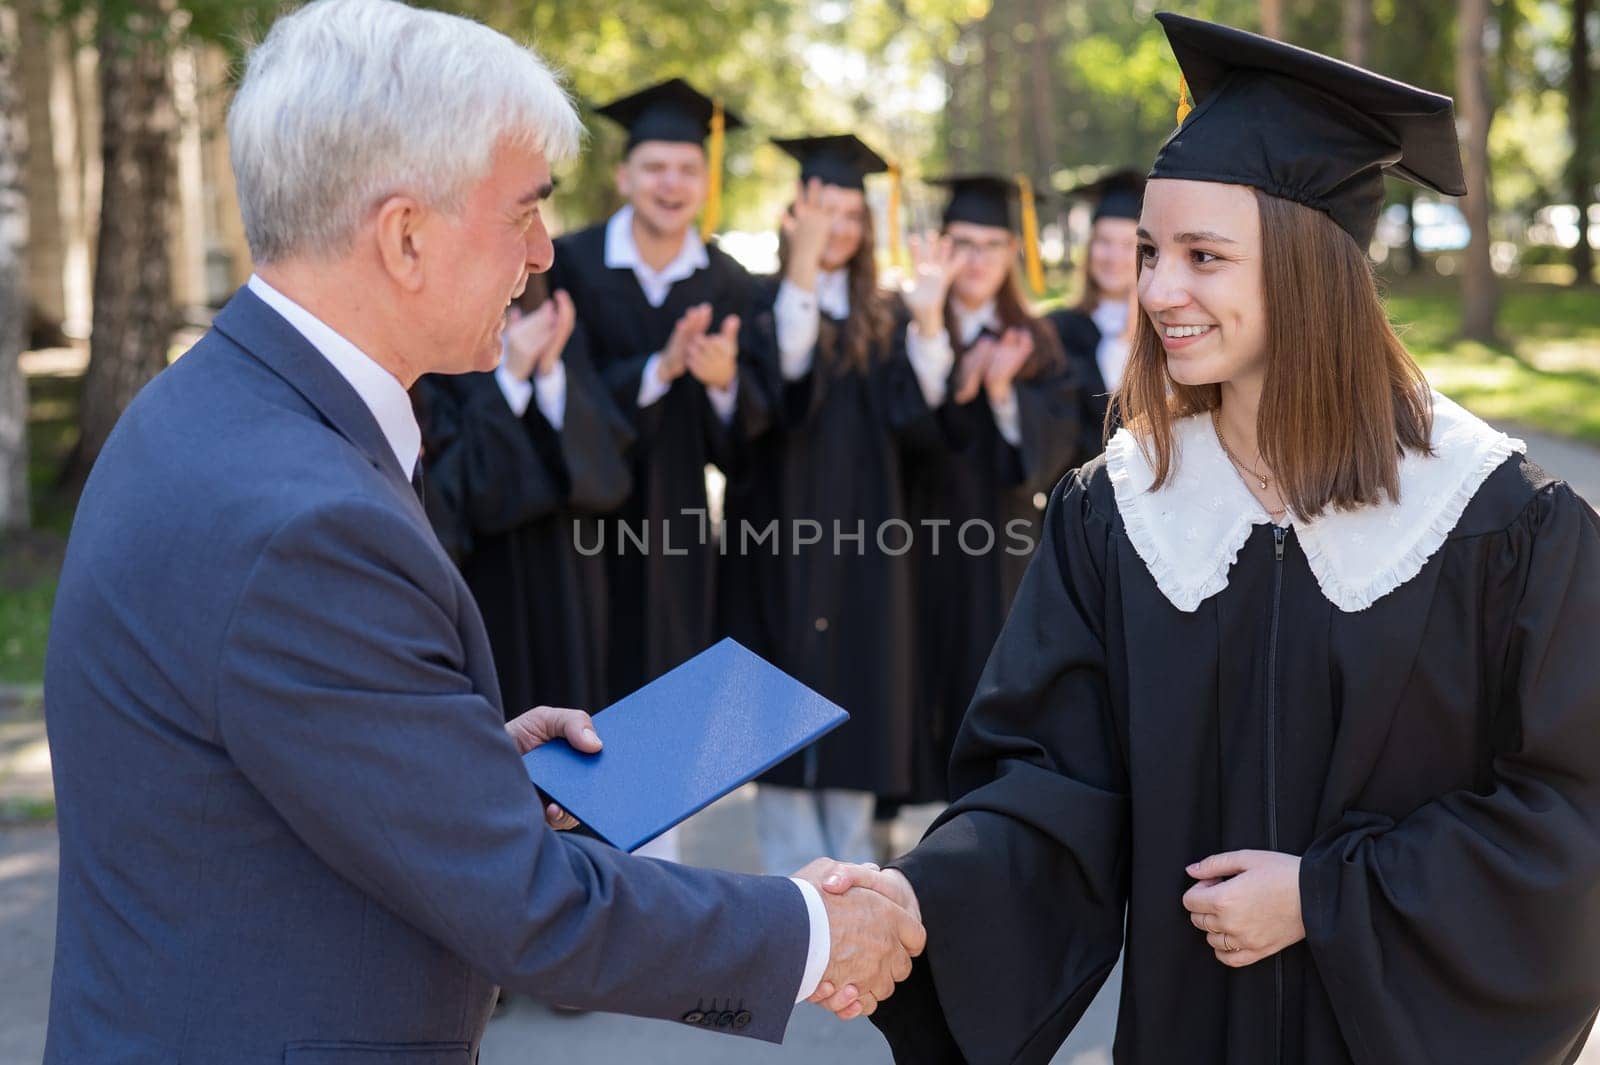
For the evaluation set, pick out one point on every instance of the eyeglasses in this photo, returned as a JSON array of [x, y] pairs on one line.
[[981, 248]]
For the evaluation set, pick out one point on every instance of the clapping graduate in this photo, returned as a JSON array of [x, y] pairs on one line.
[[1298, 703], [1095, 332], [1009, 408], [831, 467], [660, 310], [515, 463]]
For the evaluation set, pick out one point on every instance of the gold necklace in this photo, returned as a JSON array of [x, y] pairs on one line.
[[1216, 424]]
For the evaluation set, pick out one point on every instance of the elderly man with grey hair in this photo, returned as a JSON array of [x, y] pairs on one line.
[[294, 828]]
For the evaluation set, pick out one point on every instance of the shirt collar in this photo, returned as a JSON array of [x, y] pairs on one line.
[[622, 253], [833, 293], [1190, 531], [1111, 317], [970, 323], [379, 389]]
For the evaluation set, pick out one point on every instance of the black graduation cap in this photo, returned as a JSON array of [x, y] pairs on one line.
[[1303, 126], [840, 159], [1115, 195], [982, 199], [670, 111]]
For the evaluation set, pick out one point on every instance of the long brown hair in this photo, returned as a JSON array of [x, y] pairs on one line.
[[1342, 398], [1089, 301], [1014, 312], [871, 322]]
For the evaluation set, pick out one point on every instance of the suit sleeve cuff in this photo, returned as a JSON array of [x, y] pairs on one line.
[[1008, 419], [796, 314], [550, 389], [518, 393], [821, 940], [725, 400]]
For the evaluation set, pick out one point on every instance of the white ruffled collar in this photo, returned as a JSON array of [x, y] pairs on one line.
[[1190, 531]]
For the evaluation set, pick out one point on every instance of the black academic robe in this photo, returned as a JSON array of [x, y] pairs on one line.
[[1435, 758], [836, 614], [514, 502], [660, 550], [977, 502], [1080, 339]]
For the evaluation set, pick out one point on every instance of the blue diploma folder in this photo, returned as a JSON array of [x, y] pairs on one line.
[[682, 742]]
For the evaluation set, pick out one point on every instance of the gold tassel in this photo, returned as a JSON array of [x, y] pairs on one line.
[[897, 251], [1030, 237], [712, 216], [1185, 101]]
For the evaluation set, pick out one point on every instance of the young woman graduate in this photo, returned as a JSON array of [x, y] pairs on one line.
[[839, 599], [1298, 703], [512, 461], [1010, 414], [1094, 333]]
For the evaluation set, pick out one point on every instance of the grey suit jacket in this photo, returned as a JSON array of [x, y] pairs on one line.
[[293, 829]]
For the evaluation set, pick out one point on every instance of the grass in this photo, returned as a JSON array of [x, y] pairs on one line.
[[1543, 374]]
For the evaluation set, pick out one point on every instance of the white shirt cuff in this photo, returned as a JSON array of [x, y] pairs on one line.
[[1008, 419], [931, 360], [651, 387], [817, 954], [725, 400], [518, 393], [550, 389], [796, 313]]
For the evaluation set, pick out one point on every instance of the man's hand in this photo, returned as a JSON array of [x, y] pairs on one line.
[[713, 358], [1247, 903], [675, 356], [566, 320], [527, 336], [842, 990], [1010, 355], [543, 724]]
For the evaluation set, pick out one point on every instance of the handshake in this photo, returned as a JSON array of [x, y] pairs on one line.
[[875, 929]]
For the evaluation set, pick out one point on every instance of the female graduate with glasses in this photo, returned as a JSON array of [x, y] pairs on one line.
[[835, 602], [1298, 705], [1095, 332], [1009, 410]]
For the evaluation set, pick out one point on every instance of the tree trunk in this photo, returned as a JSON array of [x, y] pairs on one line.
[[1480, 295], [1040, 69], [1357, 31], [1580, 174], [13, 289], [988, 83], [133, 312], [1272, 18]]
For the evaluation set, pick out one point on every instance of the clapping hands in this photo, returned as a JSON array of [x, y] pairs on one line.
[[876, 929], [535, 340], [711, 357]]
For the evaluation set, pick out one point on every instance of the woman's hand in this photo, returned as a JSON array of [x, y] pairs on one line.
[[934, 265], [972, 369], [1247, 903], [1010, 355], [806, 227]]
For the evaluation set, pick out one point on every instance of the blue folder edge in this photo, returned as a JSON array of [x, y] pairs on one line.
[[726, 687]]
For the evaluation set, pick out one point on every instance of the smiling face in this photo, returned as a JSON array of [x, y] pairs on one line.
[[477, 260], [666, 182], [849, 225], [988, 252], [1200, 280]]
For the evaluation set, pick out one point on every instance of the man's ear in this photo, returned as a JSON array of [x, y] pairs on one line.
[[402, 239], [624, 179]]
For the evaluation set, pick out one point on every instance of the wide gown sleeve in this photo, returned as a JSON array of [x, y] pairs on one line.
[[1023, 881], [1469, 930]]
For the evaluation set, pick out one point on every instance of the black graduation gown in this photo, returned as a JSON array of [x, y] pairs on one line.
[[967, 580], [1080, 339], [1435, 758], [505, 494], [662, 595], [840, 621]]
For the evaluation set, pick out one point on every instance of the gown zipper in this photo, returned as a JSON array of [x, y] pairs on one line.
[[1278, 535]]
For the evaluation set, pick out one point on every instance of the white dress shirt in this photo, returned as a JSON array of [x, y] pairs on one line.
[[391, 407], [797, 315], [622, 253], [1111, 354], [379, 389], [932, 359]]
